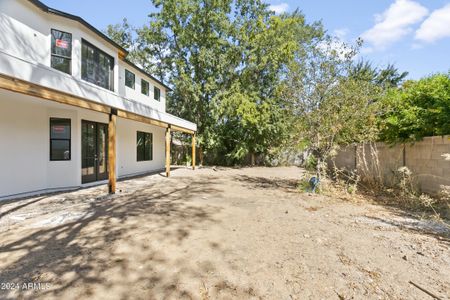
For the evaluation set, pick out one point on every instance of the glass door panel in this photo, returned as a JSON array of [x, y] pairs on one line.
[[94, 156]]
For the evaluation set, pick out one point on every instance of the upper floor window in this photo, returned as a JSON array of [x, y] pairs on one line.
[[157, 94], [61, 51], [144, 87], [129, 79], [97, 67]]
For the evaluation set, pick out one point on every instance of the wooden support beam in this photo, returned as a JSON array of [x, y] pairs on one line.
[[122, 55], [112, 153], [168, 140], [193, 151], [181, 129], [35, 90], [138, 118], [31, 89]]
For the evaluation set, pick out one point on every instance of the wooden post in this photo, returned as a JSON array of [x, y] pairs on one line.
[[193, 151], [112, 152], [168, 151]]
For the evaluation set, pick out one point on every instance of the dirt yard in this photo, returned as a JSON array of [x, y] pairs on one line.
[[217, 234]]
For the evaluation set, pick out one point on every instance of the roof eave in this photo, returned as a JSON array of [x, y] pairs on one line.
[[47, 9]]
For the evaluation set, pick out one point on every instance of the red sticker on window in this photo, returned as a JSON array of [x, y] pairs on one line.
[[62, 44], [58, 129]]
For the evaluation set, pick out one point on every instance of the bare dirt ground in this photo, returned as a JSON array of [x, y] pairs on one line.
[[217, 234]]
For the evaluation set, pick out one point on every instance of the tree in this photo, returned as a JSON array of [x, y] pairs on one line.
[[418, 109], [226, 61], [252, 116], [331, 107], [386, 78]]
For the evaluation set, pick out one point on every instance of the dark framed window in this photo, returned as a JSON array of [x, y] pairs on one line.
[[97, 67], [60, 139], [61, 51], [144, 146], [129, 79], [144, 87], [157, 94]]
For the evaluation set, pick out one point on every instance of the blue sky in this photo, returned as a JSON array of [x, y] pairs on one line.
[[413, 34]]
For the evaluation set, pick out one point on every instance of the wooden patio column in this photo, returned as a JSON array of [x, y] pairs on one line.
[[112, 151], [168, 151], [193, 151]]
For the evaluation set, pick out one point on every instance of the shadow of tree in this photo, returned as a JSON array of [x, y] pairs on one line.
[[84, 252], [287, 185], [16, 208], [424, 218], [411, 223]]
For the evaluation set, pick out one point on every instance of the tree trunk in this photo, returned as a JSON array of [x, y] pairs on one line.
[[253, 159], [319, 163], [200, 154]]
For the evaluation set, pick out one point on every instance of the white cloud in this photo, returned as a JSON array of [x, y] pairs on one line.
[[341, 33], [279, 8], [436, 26], [394, 23]]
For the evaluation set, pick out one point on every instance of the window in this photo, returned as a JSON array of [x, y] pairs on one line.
[[97, 67], [144, 146], [129, 79], [157, 94], [59, 139], [61, 51], [144, 87]]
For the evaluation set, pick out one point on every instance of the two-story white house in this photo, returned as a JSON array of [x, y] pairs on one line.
[[73, 110]]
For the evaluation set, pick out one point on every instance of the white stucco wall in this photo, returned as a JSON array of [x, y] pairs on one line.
[[23, 132], [26, 35], [127, 163], [135, 93], [25, 145]]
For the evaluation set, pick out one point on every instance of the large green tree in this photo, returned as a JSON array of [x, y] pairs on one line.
[[252, 116], [226, 61]]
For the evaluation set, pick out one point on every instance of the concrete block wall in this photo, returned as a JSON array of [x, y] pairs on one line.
[[379, 161], [345, 159], [425, 159]]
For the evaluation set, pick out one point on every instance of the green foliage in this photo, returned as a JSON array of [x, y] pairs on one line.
[[121, 33], [226, 61], [311, 163], [331, 107], [388, 77], [418, 109]]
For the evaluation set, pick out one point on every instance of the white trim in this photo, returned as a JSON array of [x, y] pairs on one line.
[[37, 193]]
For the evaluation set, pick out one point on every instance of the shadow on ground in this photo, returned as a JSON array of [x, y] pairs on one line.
[[255, 182], [102, 247]]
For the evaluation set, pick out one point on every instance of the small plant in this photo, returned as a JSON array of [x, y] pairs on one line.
[[303, 185], [405, 183], [352, 189], [311, 163]]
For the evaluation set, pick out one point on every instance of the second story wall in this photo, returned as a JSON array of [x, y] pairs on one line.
[[26, 34], [136, 93]]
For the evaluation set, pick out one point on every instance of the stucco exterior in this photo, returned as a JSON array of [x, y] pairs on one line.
[[25, 54]]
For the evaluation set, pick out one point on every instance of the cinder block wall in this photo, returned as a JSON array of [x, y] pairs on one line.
[[380, 161], [425, 159]]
